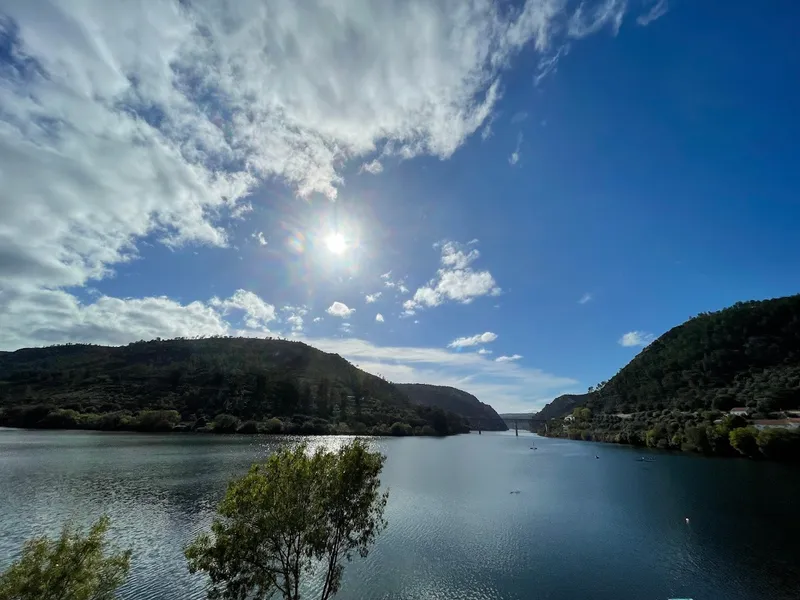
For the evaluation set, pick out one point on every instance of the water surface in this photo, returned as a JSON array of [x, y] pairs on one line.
[[580, 527]]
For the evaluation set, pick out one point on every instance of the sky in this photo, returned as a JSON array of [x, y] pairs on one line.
[[511, 198]]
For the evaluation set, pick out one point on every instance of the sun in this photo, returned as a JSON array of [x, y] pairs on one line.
[[336, 243]]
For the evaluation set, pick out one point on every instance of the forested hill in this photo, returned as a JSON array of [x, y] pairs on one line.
[[457, 401], [218, 383], [563, 405], [745, 355]]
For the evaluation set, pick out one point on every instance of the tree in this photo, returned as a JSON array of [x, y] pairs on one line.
[[285, 517], [73, 567], [743, 439]]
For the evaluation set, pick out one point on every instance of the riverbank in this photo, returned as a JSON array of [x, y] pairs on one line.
[[709, 433], [165, 421]]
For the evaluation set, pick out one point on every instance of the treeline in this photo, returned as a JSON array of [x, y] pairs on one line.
[[707, 432], [215, 384]]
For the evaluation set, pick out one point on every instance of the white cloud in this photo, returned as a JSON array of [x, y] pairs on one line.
[[373, 167], [338, 309], [453, 256], [635, 338], [516, 155], [456, 280], [475, 340], [588, 19], [587, 297], [511, 358], [379, 318], [402, 289], [473, 241], [45, 317], [202, 101], [259, 237], [257, 313], [294, 316], [658, 10], [484, 351], [549, 64], [317, 319], [370, 298], [507, 386]]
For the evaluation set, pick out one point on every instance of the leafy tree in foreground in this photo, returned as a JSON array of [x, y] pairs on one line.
[[72, 567], [285, 519]]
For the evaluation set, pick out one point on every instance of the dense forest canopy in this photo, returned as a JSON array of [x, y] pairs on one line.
[[458, 401], [678, 391], [745, 355], [222, 383]]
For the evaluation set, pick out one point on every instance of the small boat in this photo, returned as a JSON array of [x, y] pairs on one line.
[[596, 456], [643, 459]]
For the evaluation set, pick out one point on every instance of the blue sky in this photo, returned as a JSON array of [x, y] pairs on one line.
[[526, 193]]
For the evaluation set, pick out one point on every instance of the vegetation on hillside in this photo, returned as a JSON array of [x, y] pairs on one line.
[[451, 399], [563, 405], [215, 384], [675, 393]]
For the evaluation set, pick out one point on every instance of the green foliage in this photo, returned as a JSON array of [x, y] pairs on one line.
[[286, 517], [676, 393], [743, 440], [456, 401], [400, 429], [226, 423], [73, 567], [157, 420], [745, 355], [155, 386]]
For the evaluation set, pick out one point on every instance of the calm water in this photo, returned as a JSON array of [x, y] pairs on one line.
[[580, 528]]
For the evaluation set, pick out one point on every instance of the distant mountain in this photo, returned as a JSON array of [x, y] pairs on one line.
[[561, 406], [227, 383], [457, 401]]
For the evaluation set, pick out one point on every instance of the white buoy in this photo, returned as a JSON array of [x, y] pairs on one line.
[[687, 520]]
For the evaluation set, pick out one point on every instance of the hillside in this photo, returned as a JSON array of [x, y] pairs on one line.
[[563, 405], [676, 391], [220, 383], [457, 401], [745, 355]]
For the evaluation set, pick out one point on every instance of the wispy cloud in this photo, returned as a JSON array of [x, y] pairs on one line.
[[515, 156], [373, 167], [370, 298], [635, 338], [549, 64], [259, 237], [511, 358], [587, 297], [379, 318], [484, 351], [475, 340], [590, 18], [658, 10], [339, 309]]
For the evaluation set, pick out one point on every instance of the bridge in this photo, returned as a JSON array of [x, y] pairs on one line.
[[513, 422]]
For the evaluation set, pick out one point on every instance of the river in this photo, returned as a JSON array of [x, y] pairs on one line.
[[580, 528]]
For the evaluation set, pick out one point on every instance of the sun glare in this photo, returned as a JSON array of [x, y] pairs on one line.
[[336, 243]]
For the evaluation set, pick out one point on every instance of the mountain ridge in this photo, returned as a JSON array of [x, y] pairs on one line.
[[196, 381]]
